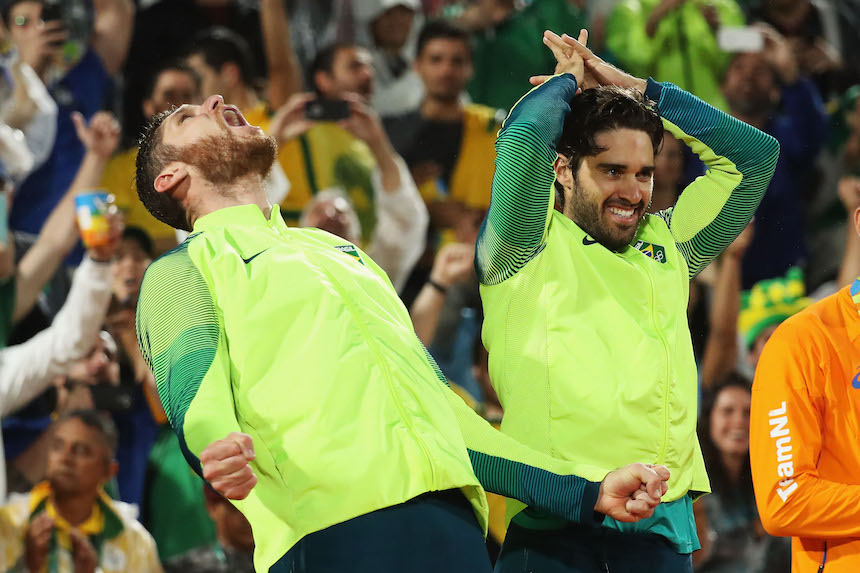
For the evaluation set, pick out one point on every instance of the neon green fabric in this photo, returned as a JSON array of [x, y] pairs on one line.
[[683, 50], [297, 338], [590, 351]]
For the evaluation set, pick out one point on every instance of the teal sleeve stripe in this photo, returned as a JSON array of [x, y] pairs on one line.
[[522, 191], [506, 467], [752, 152], [569, 497], [178, 332]]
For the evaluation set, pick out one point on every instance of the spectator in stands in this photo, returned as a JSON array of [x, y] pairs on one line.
[[505, 54], [401, 225], [813, 32], [449, 146], [82, 88], [353, 155], [388, 29], [728, 525], [674, 41], [68, 523], [172, 84], [28, 114], [765, 90], [74, 391], [668, 174], [232, 552]]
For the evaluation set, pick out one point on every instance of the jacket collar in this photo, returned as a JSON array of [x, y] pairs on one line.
[[240, 215]]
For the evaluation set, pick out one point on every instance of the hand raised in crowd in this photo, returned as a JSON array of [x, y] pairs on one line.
[[104, 253], [778, 53], [454, 264], [40, 44], [101, 136], [84, 555], [289, 121], [37, 539], [363, 122], [631, 493], [849, 192], [226, 465]]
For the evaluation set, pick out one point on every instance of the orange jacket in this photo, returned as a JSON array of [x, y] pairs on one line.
[[805, 434]]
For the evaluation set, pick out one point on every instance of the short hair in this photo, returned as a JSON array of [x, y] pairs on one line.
[[141, 237], [219, 46], [324, 60], [169, 66], [151, 159], [602, 109], [436, 29], [97, 421]]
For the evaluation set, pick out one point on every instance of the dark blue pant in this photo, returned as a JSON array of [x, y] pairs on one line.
[[432, 533], [585, 549]]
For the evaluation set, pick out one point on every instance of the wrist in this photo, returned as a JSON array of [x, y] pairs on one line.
[[439, 286]]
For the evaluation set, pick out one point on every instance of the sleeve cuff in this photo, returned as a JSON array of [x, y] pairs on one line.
[[653, 90], [587, 515]]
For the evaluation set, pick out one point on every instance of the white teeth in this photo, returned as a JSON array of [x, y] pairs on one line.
[[622, 212], [231, 118]]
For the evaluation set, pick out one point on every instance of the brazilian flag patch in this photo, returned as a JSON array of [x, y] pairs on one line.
[[656, 252], [351, 251]]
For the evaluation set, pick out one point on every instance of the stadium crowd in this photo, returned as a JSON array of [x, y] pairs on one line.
[[93, 477]]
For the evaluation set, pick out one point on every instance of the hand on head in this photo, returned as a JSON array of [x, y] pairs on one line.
[[631, 493], [226, 465]]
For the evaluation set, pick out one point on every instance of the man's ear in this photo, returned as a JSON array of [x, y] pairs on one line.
[[170, 177], [563, 171], [857, 220]]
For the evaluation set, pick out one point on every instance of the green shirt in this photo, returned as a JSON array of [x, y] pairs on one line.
[[590, 351], [297, 338]]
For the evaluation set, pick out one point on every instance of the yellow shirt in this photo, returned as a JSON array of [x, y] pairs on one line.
[[326, 157], [119, 176]]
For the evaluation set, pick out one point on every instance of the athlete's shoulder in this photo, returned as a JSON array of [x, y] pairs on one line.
[[172, 268]]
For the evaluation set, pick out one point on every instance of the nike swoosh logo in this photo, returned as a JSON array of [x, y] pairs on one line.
[[586, 240], [856, 382], [252, 257]]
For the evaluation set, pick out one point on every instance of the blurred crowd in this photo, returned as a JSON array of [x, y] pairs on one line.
[[385, 113]]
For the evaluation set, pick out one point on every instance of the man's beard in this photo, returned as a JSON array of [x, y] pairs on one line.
[[224, 158], [589, 216]]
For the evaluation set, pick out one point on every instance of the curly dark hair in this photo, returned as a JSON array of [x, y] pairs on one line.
[[600, 109], [152, 156]]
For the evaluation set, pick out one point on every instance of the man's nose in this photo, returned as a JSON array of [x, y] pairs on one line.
[[212, 103]]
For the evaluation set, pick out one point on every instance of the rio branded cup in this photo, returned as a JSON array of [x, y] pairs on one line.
[[91, 209]]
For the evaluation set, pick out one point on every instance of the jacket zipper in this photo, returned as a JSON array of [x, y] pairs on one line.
[[385, 372], [664, 444], [823, 559]]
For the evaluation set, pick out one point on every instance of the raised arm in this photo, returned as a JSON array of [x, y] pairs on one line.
[[114, 23], [714, 209], [284, 73], [522, 195], [59, 234]]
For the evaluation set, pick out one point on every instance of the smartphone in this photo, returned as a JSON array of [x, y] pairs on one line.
[[740, 39], [327, 110], [51, 11]]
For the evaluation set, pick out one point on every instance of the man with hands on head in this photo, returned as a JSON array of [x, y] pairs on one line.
[[585, 295], [358, 441]]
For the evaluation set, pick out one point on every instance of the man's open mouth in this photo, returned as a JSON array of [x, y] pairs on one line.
[[233, 118]]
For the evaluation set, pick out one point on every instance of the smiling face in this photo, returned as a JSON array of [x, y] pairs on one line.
[[611, 190], [730, 421]]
